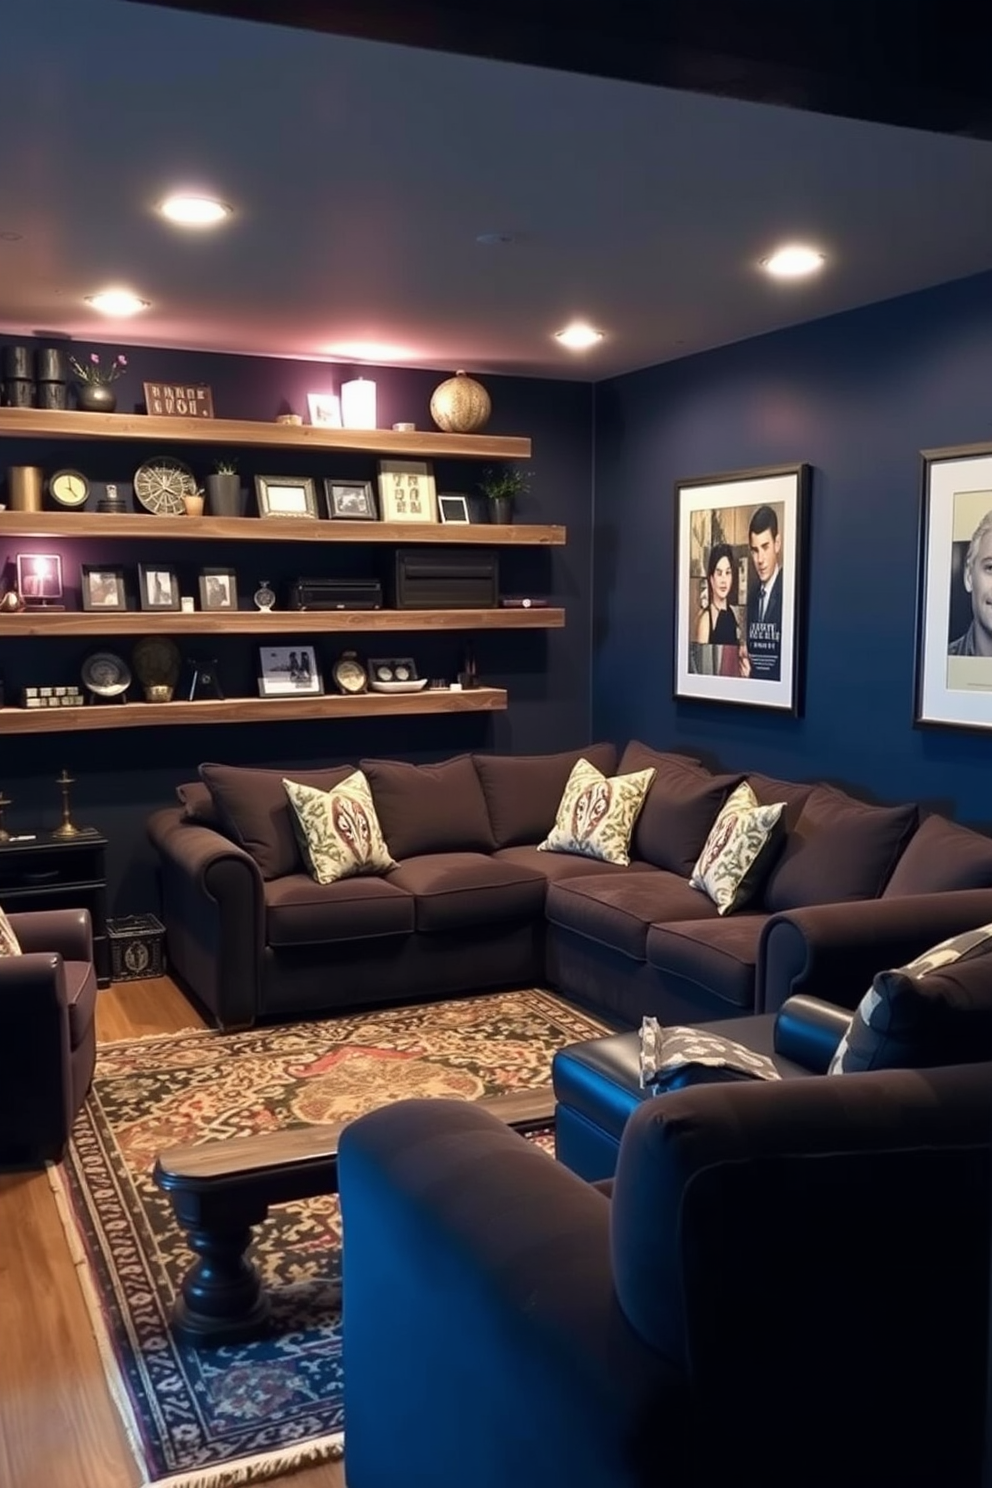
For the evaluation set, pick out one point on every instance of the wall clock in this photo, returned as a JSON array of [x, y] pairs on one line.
[[69, 488], [349, 674], [161, 483]]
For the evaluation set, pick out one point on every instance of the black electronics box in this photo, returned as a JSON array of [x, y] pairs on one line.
[[452, 579], [335, 594]]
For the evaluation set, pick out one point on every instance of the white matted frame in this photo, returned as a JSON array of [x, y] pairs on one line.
[[407, 492], [286, 496], [739, 580], [453, 507], [289, 671], [954, 602]]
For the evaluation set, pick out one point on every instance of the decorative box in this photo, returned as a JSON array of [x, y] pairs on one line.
[[137, 947]]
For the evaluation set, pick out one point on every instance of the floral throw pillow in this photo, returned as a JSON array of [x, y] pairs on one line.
[[338, 830], [596, 814], [739, 852], [9, 944]]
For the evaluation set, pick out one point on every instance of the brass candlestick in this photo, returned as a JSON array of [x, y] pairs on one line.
[[68, 827], [4, 802]]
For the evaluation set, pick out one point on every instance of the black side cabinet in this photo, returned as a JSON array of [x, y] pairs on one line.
[[60, 873]]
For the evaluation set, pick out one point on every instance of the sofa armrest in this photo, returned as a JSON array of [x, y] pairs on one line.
[[213, 907], [68, 931], [36, 980], [808, 1030], [832, 951], [507, 1357]]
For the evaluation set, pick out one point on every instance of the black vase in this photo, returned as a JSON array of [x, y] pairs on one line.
[[50, 364], [226, 496], [17, 363], [501, 510], [18, 392], [95, 397]]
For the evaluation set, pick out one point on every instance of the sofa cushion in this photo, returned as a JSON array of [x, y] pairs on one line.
[[199, 804], [941, 857], [299, 911], [618, 910], [596, 814], [935, 1010], [430, 808], [841, 850], [769, 791], [553, 866], [720, 956], [739, 852], [679, 809], [256, 814], [338, 830], [522, 791], [459, 891], [9, 943]]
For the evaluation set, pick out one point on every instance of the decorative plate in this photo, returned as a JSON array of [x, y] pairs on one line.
[[414, 686], [161, 483], [157, 661], [106, 674]]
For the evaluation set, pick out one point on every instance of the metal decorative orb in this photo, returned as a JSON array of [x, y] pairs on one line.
[[460, 405]]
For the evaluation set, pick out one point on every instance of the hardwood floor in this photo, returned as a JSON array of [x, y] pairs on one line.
[[59, 1427]]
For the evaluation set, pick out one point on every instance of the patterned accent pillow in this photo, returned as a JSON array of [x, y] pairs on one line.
[[596, 814], [665, 1051], [9, 944], [740, 851], [890, 1026], [338, 830]]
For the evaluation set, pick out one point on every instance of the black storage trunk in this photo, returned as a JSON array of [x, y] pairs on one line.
[[137, 948], [452, 579]]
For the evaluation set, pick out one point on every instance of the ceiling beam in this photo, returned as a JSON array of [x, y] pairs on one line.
[[924, 64]]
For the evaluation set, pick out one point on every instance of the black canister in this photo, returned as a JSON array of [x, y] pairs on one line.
[[52, 395], [17, 364], [50, 364], [18, 392]]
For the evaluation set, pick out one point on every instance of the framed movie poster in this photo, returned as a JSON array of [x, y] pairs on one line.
[[954, 609], [739, 565]]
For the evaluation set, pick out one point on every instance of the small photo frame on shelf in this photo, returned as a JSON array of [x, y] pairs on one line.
[[350, 501], [286, 496], [325, 410], [406, 491], [218, 589], [102, 587], [158, 587], [452, 507], [39, 577], [289, 671]]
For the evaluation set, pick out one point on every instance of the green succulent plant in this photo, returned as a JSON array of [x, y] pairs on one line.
[[507, 481]]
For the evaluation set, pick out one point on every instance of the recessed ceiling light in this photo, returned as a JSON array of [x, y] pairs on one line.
[[793, 261], [578, 336], [117, 302], [194, 211]]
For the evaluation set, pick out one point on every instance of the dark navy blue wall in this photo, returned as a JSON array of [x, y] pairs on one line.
[[123, 774], [858, 396]]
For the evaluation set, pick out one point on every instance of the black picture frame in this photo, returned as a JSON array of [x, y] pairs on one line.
[[953, 664], [39, 577], [289, 671], [740, 587], [288, 496], [350, 501], [218, 589], [158, 587], [102, 588]]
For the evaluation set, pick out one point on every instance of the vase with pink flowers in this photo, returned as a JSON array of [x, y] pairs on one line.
[[94, 393]]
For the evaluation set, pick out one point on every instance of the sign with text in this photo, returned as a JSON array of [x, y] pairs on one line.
[[179, 399]]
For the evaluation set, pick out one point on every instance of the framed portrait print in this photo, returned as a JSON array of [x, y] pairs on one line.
[[350, 501], [286, 496], [102, 587], [406, 491], [325, 410], [954, 604], [452, 507], [218, 589], [158, 587], [288, 671], [739, 567]]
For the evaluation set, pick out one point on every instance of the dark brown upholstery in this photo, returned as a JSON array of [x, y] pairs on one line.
[[463, 890], [299, 911], [620, 911], [942, 857], [255, 811], [681, 805], [523, 791], [430, 808], [770, 791], [719, 956], [199, 804], [554, 865], [840, 850]]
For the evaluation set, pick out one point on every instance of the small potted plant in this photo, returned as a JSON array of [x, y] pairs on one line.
[[93, 379], [501, 486], [225, 497]]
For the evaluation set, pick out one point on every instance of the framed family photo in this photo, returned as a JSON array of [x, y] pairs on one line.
[[739, 567], [158, 587], [101, 587], [218, 589], [954, 602], [289, 671], [350, 501]]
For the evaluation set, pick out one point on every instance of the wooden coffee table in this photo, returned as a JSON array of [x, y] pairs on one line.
[[220, 1190]]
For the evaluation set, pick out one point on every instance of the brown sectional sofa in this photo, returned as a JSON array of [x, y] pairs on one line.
[[473, 905]]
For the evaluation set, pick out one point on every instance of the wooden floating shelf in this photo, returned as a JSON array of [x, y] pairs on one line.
[[139, 526], [248, 710], [274, 622], [71, 424]]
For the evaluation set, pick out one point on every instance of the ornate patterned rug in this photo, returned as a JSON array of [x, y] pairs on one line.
[[210, 1418]]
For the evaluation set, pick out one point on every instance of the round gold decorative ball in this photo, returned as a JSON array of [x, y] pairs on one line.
[[460, 405]]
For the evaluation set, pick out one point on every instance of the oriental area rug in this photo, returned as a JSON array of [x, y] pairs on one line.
[[237, 1414]]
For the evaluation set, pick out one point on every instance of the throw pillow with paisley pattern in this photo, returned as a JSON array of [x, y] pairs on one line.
[[9, 944], [338, 830], [740, 851], [596, 814]]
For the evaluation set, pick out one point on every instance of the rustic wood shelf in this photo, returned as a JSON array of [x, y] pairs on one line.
[[275, 622], [142, 526], [248, 710], [71, 424]]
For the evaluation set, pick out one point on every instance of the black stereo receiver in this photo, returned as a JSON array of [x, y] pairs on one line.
[[450, 579], [335, 594]]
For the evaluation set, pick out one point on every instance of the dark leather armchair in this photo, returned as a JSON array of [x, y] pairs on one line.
[[48, 1048]]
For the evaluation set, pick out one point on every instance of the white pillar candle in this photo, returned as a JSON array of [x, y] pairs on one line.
[[358, 404]]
